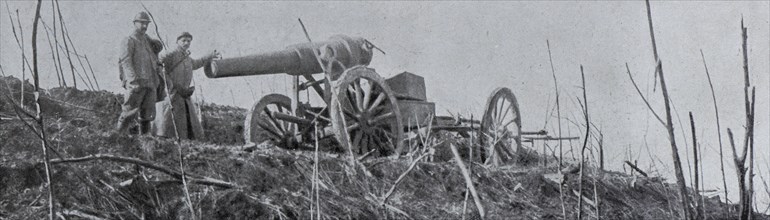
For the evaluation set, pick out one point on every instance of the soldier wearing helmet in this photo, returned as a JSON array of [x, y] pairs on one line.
[[138, 66]]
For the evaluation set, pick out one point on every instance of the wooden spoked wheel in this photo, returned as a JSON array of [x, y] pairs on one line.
[[365, 114], [264, 115], [500, 134]]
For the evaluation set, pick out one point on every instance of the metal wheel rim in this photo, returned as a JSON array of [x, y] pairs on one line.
[[373, 120], [261, 116], [501, 123]]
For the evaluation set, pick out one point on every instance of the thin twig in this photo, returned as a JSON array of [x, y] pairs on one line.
[[583, 198], [468, 181], [585, 142], [23, 57], [314, 187], [558, 108], [637, 169], [596, 196], [57, 63], [719, 130], [53, 56], [561, 198], [401, 177], [601, 150], [18, 43], [654, 46], [80, 215], [304, 30], [642, 96], [767, 189], [372, 198], [686, 144], [470, 169], [751, 157], [80, 61], [92, 72], [336, 104], [66, 46]]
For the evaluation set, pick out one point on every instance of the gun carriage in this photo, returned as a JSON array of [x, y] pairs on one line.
[[363, 111]]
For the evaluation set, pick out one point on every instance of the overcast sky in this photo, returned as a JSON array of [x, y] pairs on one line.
[[466, 49]]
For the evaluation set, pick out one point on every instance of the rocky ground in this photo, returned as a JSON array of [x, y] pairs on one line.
[[119, 176]]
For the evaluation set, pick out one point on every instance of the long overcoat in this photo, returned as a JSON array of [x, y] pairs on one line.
[[179, 69], [138, 62]]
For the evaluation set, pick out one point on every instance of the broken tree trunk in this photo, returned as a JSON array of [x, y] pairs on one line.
[[745, 185], [698, 204], [669, 124], [39, 116]]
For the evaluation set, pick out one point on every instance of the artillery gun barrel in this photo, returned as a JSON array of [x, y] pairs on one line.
[[298, 59]]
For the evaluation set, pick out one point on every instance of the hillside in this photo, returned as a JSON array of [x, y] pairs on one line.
[[228, 181]]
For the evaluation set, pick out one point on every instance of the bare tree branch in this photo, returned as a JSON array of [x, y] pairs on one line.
[[173, 173], [585, 142], [719, 128], [642, 96], [468, 180], [637, 169]]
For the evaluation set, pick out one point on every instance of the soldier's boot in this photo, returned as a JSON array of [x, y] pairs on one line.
[[144, 127], [122, 126]]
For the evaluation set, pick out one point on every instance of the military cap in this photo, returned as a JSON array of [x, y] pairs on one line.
[[184, 34]]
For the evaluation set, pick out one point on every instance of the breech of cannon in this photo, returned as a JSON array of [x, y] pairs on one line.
[[298, 59]]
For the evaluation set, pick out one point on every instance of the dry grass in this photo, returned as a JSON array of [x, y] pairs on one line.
[[276, 182]]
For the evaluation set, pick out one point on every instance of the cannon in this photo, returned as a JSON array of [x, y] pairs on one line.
[[298, 59], [370, 113], [363, 111]]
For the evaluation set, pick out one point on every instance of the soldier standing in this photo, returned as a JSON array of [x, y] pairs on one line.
[[138, 67], [178, 107]]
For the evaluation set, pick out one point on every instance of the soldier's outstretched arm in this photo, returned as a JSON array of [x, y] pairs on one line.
[[198, 63]]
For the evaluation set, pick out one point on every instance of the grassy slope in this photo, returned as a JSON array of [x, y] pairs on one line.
[[276, 183]]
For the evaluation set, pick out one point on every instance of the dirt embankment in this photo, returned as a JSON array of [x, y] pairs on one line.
[[269, 182]]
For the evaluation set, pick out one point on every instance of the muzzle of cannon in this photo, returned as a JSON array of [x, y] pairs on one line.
[[298, 59]]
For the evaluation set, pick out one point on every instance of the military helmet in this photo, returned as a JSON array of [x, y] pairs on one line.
[[142, 17]]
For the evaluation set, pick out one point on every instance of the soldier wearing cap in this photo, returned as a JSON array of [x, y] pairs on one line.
[[138, 65], [179, 66]]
